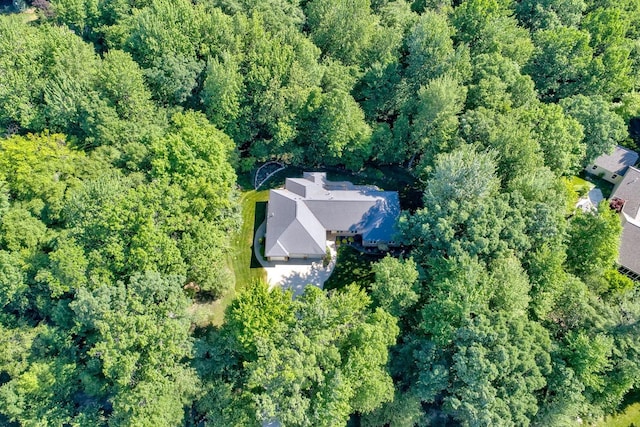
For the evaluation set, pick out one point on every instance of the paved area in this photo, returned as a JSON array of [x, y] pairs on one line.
[[591, 200], [295, 274]]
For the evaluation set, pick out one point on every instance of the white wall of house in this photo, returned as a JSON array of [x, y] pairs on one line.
[[604, 174], [305, 256]]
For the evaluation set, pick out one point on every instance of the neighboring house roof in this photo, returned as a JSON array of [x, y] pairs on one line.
[[618, 161], [629, 191], [299, 215], [630, 248]]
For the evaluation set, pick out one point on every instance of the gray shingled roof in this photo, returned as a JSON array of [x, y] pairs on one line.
[[618, 161], [630, 248], [299, 216], [629, 191], [291, 227]]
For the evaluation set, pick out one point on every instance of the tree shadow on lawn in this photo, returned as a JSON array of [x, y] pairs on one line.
[[297, 282], [261, 213], [352, 266]]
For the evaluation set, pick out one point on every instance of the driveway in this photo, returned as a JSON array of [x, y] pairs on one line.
[[294, 274], [591, 200]]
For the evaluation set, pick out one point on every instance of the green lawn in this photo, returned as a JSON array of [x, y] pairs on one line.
[[240, 259], [351, 266], [630, 417], [579, 185]]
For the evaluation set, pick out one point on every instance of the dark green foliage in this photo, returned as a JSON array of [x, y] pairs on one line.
[[123, 124], [592, 246], [603, 128], [311, 361]]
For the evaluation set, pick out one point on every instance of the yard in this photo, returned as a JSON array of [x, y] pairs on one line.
[[351, 266], [240, 259], [630, 415]]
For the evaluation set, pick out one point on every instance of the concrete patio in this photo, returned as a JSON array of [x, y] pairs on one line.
[[294, 274]]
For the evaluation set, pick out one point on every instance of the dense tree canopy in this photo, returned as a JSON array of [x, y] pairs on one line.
[[124, 126]]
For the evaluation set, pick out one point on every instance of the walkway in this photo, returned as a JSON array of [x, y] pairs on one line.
[[294, 274], [591, 200]]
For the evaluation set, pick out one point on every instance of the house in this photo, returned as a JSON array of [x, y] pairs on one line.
[[311, 210], [612, 167], [626, 200]]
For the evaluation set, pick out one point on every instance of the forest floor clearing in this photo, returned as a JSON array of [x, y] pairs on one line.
[[295, 274], [628, 418]]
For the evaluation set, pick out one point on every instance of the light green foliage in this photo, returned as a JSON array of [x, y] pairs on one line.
[[603, 128], [517, 152], [195, 156], [21, 231], [560, 63], [124, 229], [203, 249], [222, 90], [38, 390], [459, 289], [80, 15], [20, 67], [12, 279], [343, 29], [549, 14], [139, 334], [462, 213], [64, 86], [589, 358], [593, 241], [498, 84], [510, 287], [404, 411], [395, 286], [39, 169], [488, 27], [28, 397], [498, 365], [121, 81], [575, 306], [612, 64], [431, 51], [518, 315], [164, 39], [279, 15], [560, 137], [546, 272], [436, 121], [314, 360], [256, 315], [339, 134], [68, 268]]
